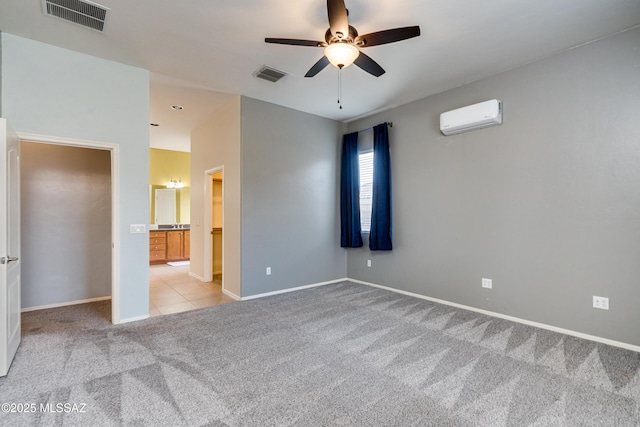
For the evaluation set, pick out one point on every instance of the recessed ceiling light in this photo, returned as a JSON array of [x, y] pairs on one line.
[[177, 107], [154, 124]]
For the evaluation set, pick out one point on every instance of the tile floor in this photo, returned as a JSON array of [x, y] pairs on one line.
[[172, 290]]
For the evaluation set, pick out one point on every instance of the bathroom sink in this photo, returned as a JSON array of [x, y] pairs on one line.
[[174, 226]]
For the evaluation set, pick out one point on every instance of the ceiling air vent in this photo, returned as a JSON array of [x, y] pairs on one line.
[[270, 74], [85, 13]]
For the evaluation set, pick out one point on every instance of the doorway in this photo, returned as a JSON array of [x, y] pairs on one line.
[[172, 288], [94, 246], [214, 226]]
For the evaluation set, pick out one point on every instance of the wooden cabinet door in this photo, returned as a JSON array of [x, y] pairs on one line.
[[157, 247], [186, 244], [174, 245]]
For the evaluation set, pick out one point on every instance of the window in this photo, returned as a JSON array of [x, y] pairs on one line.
[[366, 189]]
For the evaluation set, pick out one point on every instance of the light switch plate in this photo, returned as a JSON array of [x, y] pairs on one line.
[[138, 228], [601, 302]]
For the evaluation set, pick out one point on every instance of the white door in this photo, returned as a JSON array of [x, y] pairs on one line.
[[9, 245], [166, 206]]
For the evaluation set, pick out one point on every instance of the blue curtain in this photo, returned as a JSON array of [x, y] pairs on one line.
[[350, 235], [380, 235]]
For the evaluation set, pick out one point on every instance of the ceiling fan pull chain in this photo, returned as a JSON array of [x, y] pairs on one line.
[[340, 87]]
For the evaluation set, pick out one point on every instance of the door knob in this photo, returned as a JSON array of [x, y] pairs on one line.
[[8, 259]]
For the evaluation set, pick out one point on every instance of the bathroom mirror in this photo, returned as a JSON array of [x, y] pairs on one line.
[[176, 207]]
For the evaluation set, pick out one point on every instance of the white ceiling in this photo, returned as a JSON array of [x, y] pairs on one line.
[[200, 51]]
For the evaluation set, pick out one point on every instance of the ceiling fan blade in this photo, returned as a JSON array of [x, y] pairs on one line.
[[295, 42], [369, 65], [387, 36], [317, 67], [338, 18]]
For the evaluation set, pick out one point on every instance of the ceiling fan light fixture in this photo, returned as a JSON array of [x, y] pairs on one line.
[[341, 54], [342, 42]]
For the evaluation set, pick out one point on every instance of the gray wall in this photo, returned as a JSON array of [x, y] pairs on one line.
[[56, 92], [66, 253], [290, 216], [547, 205]]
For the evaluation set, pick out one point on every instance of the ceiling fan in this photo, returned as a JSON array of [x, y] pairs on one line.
[[342, 43]]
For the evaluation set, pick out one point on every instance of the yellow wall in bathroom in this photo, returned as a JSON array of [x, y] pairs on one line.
[[167, 164]]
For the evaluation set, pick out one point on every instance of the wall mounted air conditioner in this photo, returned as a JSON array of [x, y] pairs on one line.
[[476, 116]]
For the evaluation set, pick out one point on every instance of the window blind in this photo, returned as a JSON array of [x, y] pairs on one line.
[[366, 187]]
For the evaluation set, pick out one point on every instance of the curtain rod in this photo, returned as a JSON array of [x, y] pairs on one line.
[[390, 124]]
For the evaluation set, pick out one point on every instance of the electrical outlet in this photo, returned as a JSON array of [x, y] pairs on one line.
[[268, 271], [487, 283], [368, 263], [601, 302], [137, 228]]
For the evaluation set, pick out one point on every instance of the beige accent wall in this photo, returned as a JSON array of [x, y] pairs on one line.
[[214, 144]]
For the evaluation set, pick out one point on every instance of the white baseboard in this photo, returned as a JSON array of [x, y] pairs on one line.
[[192, 274], [231, 294], [224, 291], [133, 319], [64, 304], [507, 317], [299, 288]]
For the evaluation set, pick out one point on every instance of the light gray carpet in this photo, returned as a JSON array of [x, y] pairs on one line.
[[343, 354]]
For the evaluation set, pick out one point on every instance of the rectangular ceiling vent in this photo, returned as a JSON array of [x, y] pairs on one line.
[[85, 13], [270, 74]]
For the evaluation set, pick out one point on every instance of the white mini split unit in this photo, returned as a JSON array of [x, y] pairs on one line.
[[473, 117]]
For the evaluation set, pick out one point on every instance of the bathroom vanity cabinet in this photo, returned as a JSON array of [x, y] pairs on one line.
[[169, 245]]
